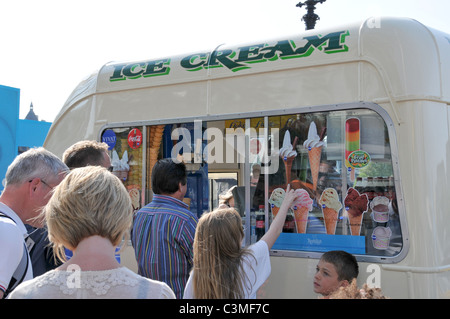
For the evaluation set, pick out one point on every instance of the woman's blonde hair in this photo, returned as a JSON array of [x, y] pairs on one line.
[[89, 201], [218, 256]]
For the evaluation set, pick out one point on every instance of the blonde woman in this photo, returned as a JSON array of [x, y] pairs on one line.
[[90, 213], [222, 268]]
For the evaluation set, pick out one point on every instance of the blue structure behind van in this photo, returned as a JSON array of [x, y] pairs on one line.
[[17, 135]]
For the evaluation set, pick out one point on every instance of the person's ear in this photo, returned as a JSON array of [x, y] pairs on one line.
[[33, 184]]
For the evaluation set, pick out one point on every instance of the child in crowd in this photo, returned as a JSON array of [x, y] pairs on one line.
[[223, 269], [335, 269]]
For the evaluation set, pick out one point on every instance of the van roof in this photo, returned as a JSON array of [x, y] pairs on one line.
[[395, 45], [394, 59]]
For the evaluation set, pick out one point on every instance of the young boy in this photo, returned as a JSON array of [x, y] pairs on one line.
[[335, 269]]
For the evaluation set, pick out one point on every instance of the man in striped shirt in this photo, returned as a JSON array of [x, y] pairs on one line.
[[163, 230]]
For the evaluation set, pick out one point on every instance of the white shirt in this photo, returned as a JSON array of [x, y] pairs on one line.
[[256, 269], [118, 283], [11, 246]]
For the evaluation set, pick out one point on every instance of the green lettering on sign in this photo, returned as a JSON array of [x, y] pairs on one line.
[[242, 59]]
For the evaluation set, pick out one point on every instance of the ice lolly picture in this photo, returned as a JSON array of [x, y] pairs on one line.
[[330, 209], [352, 141], [156, 135], [314, 145], [356, 205]]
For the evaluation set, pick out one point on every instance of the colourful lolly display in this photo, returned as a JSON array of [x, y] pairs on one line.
[[352, 137]]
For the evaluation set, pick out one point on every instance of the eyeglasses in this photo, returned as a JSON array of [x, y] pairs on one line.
[[43, 182], [46, 184]]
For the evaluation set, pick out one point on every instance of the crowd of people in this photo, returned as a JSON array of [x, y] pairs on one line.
[[50, 207]]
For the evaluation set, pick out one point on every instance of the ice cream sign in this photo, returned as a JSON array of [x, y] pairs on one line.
[[261, 52], [243, 58]]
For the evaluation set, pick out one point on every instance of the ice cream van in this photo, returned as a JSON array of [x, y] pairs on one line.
[[355, 117]]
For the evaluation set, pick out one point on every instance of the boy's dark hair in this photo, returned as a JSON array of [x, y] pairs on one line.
[[345, 263], [166, 176]]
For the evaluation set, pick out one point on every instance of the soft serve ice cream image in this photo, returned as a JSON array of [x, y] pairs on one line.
[[314, 145], [120, 165], [302, 205], [288, 154], [356, 205], [330, 209]]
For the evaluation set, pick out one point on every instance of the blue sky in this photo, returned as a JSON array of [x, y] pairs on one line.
[[49, 46]]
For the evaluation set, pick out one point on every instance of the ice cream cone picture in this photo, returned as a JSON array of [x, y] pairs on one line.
[[301, 219], [314, 145], [352, 142], [314, 162], [330, 217], [356, 206], [156, 134], [276, 199], [288, 167], [330, 209], [135, 198], [275, 210], [120, 165], [302, 205], [288, 154]]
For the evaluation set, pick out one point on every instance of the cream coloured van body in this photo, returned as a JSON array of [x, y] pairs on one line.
[[396, 68]]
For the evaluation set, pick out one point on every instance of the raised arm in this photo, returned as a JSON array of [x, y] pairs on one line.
[[277, 225]]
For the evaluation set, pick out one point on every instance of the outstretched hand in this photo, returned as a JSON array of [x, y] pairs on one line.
[[289, 197], [277, 225]]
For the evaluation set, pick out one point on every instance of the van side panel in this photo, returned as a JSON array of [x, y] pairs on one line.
[[400, 65]]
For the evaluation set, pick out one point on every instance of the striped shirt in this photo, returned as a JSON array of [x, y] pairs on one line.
[[162, 237]]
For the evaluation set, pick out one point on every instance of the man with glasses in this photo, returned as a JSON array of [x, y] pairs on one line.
[[30, 180], [80, 154]]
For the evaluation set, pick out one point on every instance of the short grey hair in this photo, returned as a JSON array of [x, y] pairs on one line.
[[34, 163]]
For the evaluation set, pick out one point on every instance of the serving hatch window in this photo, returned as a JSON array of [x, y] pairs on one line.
[[339, 161]]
